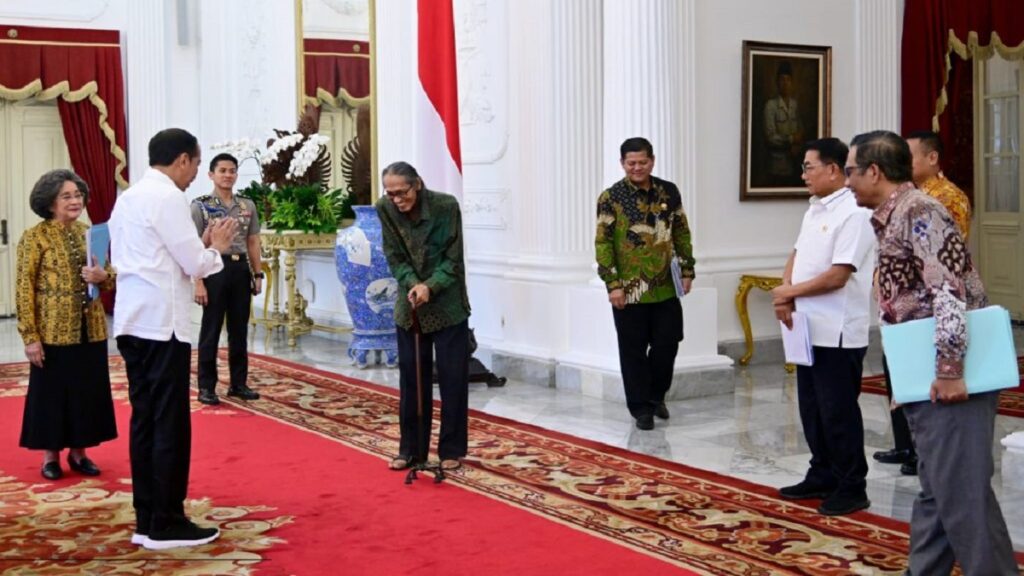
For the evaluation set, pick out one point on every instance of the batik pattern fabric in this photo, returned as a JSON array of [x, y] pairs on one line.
[[427, 248], [51, 296], [952, 199], [638, 233], [925, 270]]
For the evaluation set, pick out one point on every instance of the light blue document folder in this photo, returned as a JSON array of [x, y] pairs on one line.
[[990, 364], [97, 244]]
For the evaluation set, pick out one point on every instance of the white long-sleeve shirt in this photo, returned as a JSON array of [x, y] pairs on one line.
[[156, 252]]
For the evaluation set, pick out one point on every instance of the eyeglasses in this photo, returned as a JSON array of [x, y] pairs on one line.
[[398, 193], [807, 166], [848, 170], [66, 197]]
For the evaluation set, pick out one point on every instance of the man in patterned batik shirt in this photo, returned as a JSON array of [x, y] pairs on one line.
[[641, 227], [926, 154], [924, 270]]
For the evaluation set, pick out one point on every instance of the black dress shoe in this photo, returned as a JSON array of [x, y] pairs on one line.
[[841, 504], [661, 411], [645, 422], [208, 397], [52, 471], [244, 392], [909, 468], [893, 456], [83, 466], [805, 490]]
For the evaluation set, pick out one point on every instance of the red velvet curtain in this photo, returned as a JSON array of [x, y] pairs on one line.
[[333, 65], [927, 26], [82, 68]]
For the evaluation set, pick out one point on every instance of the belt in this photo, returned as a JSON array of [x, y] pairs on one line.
[[235, 257]]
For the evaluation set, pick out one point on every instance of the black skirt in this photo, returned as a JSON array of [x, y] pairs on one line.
[[69, 404]]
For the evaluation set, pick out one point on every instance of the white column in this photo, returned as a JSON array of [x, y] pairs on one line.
[[247, 71], [649, 85], [396, 77], [879, 27], [146, 83], [559, 107]]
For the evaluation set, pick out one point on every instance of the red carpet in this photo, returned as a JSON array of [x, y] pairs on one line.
[[297, 481], [288, 502], [1011, 401]]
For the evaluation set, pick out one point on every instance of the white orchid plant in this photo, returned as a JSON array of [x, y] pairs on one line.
[[295, 169]]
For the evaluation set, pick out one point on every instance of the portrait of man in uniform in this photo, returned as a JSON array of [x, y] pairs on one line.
[[786, 103]]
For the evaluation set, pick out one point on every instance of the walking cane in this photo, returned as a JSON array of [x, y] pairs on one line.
[[420, 432]]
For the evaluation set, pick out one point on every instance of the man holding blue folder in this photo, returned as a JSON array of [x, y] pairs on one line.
[[828, 279], [924, 270]]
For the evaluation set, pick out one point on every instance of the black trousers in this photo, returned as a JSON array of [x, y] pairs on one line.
[[649, 336], [229, 293], [451, 345], [900, 427], [833, 426], [160, 442]]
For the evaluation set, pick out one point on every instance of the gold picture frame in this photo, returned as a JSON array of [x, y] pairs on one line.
[[787, 102]]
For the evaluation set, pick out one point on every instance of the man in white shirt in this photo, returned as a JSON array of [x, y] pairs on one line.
[[828, 278], [154, 246]]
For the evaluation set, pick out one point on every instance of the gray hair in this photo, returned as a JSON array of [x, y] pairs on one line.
[[47, 188], [406, 171], [887, 151]]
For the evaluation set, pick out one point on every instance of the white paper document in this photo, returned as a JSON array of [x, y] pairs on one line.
[[797, 342]]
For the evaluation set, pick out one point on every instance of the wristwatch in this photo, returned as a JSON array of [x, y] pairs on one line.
[[258, 275]]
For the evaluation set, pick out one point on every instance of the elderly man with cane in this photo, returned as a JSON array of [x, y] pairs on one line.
[[422, 232]]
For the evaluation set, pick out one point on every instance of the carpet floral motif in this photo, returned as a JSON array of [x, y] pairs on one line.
[[86, 528], [707, 523]]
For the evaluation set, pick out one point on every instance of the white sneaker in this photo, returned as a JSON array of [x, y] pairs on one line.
[[183, 534], [138, 539]]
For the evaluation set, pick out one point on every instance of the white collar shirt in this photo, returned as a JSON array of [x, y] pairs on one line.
[[836, 231], [155, 249]]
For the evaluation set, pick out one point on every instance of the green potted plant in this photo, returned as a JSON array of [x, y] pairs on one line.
[[295, 170]]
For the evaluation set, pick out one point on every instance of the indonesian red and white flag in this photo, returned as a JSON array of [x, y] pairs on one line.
[[438, 153]]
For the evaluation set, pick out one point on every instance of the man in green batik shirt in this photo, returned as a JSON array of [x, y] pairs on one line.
[[423, 244], [641, 227]]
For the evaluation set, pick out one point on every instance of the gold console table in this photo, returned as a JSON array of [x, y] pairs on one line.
[[293, 318], [765, 282]]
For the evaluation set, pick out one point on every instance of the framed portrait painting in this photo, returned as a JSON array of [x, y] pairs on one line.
[[787, 102]]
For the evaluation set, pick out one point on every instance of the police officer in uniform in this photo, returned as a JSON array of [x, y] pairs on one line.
[[228, 292]]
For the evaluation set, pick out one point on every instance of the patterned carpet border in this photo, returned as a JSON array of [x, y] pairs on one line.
[[706, 522], [1011, 402]]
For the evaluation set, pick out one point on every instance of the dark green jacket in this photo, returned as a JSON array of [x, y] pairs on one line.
[[427, 250]]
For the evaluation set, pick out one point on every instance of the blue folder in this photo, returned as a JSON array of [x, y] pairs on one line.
[[97, 244], [990, 363]]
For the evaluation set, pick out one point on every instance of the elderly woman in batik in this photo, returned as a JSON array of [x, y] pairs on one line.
[[69, 404]]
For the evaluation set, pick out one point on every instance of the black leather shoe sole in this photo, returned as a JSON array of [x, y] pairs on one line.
[[661, 411], [893, 456], [805, 490], [843, 507], [209, 398], [84, 466], [52, 471], [815, 494], [244, 394]]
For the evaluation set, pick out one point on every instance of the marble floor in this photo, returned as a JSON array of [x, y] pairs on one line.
[[753, 433]]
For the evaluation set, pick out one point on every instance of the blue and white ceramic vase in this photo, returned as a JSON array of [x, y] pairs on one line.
[[370, 291]]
